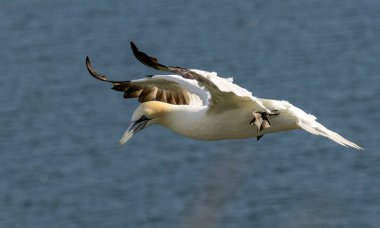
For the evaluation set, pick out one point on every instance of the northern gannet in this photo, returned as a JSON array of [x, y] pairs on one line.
[[201, 105]]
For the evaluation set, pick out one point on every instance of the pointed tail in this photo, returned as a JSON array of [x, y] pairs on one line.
[[309, 124]]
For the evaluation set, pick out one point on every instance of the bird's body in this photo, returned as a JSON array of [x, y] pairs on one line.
[[197, 123], [201, 105]]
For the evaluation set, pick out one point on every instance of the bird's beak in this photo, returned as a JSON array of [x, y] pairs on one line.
[[133, 128]]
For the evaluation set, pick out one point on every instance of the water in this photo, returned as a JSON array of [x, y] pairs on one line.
[[60, 162]]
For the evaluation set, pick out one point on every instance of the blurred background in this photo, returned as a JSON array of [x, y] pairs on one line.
[[60, 162]]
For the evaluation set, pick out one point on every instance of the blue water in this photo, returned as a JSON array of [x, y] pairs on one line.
[[60, 162]]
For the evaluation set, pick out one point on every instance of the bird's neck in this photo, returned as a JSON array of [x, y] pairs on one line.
[[183, 113], [184, 119]]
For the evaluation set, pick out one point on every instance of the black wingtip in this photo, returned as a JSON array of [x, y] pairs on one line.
[[92, 71], [134, 48], [146, 59], [138, 55]]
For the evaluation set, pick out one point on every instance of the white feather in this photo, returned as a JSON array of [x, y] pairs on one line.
[[308, 123]]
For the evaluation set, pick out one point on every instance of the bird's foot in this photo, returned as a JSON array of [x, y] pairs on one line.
[[260, 119]]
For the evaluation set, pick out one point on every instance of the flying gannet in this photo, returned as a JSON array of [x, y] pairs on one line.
[[201, 105]]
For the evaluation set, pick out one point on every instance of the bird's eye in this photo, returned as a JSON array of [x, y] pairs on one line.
[[143, 118]]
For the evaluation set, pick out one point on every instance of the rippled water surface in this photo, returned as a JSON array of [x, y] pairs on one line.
[[60, 162]]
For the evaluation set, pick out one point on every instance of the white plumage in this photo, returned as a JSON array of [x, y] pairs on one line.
[[201, 105]]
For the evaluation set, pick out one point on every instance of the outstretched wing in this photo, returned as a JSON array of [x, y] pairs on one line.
[[172, 89], [223, 93]]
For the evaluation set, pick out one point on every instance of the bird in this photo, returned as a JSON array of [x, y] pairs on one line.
[[202, 105]]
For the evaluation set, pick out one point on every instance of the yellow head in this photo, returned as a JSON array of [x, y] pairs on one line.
[[146, 114], [151, 110]]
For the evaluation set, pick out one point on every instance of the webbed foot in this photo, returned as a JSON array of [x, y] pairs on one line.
[[260, 119]]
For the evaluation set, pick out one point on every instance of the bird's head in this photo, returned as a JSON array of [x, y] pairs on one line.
[[146, 114]]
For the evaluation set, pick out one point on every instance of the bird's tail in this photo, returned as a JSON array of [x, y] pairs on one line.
[[308, 123]]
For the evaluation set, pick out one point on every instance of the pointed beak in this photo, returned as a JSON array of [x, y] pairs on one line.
[[133, 128]]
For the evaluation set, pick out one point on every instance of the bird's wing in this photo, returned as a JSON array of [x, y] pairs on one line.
[[172, 89], [223, 93]]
